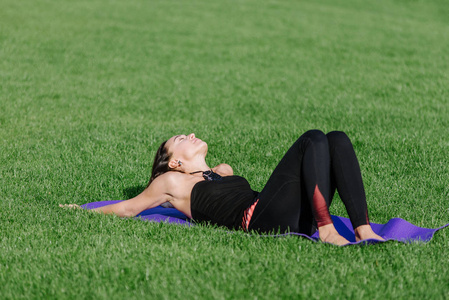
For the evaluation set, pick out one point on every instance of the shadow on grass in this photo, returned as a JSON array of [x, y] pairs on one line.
[[133, 191]]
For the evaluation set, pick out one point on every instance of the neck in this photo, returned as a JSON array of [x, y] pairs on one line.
[[195, 167]]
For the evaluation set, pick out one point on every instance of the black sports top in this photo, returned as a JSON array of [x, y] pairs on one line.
[[221, 201]]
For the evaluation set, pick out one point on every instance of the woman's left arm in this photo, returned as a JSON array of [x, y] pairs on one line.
[[223, 169]]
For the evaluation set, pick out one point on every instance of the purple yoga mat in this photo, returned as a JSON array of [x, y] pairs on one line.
[[395, 229], [157, 214]]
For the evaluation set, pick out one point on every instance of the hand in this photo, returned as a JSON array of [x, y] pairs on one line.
[[74, 206]]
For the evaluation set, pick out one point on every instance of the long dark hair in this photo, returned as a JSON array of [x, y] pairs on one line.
[[160, 164]]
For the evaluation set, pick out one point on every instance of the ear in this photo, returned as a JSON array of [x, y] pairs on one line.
[[173, 164]]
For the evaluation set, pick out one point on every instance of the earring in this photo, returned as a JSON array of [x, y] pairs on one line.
[[179, 163]]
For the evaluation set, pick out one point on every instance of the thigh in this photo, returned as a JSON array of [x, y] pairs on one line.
[[281, 204], [278, 210], [286, 210]]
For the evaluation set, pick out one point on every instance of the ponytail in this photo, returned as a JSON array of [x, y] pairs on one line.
[[160, 164]]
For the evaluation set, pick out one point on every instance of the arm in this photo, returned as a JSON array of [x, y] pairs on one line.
[[151, 197], [223, 169]]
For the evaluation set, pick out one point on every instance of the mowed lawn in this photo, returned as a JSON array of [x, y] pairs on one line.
[[89, 89]]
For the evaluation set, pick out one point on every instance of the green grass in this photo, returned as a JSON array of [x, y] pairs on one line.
[[89, 89]]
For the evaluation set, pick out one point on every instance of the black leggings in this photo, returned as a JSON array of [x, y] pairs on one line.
[[299, 192]]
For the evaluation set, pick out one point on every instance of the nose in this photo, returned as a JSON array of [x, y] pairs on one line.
[[191, 136]]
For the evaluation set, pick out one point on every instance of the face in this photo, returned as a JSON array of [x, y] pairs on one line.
[[186, 147]]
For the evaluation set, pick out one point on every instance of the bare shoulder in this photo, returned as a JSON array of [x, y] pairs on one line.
[[223, 169], [175, 185], [168, 180]]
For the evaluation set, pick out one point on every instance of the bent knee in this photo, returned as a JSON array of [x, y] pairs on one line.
[[316, 136], [338, 138]]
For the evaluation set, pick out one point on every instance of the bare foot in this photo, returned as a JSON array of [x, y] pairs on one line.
[[328, 234], [365, 232]]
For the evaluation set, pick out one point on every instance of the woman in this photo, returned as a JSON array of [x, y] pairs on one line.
[[296, 197]]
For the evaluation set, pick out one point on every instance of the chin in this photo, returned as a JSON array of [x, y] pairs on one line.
[[204, 145]]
